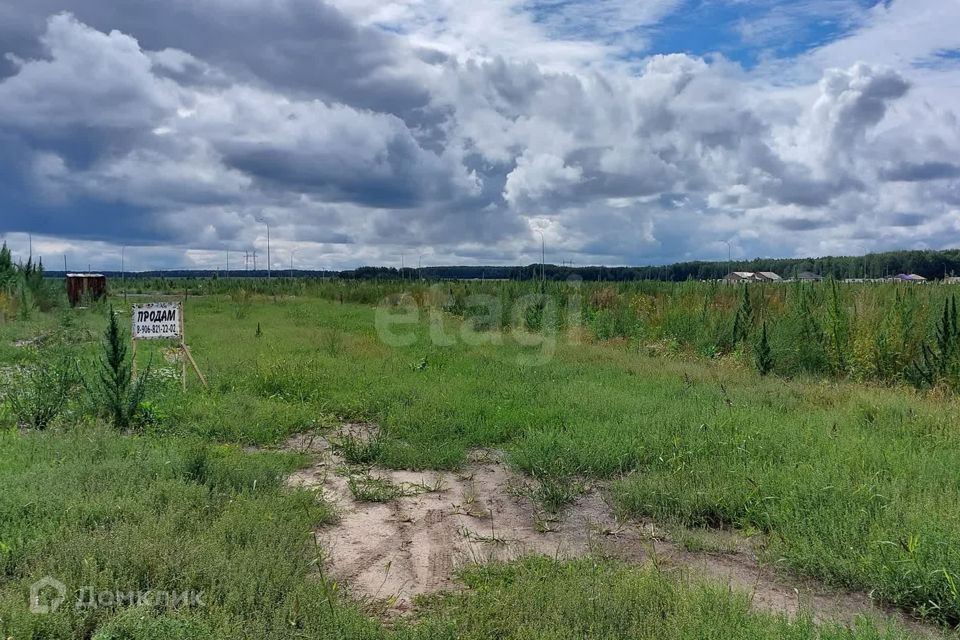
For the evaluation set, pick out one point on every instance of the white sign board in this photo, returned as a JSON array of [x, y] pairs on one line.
[[155, 320]]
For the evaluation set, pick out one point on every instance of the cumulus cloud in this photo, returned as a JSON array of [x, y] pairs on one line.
[[852, 101], [90, 80], [160, 146], [359, 143]]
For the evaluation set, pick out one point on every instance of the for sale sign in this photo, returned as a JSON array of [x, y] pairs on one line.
[[157, 320]]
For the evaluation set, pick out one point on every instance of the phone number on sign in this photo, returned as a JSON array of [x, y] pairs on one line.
[[169, 329]]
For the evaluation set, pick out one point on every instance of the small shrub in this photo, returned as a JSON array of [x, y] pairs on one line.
[[743, 319], [940, 362], [242, 302], [838, 330], [114, 392], [533, 318], [40, 391], [8, 306], [605, 298], [24, 302], [332, 340], [764, 356]]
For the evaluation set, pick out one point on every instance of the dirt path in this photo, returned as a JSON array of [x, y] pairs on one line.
[[413, 544]]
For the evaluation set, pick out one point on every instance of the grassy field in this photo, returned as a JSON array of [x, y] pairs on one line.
[[863, 332], [852, 484]]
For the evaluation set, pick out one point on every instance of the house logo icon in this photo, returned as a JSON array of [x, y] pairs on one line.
[[46, 595]]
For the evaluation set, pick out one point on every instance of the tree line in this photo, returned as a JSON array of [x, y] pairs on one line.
[[929, 264]]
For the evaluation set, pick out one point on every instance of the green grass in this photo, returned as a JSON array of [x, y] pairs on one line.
[[357, 449], [126, 514], [852, 484], [541, 598], [367, 488], [838, 476], [134, 514], [864, 332]]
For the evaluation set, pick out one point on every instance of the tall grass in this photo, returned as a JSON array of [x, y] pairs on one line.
[[866, 332]]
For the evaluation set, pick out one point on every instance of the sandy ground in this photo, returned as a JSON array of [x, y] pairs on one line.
[[390, 552]]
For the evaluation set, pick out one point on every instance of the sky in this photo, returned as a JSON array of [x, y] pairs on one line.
[[437, 132]]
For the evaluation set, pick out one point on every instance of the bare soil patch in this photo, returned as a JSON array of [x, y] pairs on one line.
[[438, 522]]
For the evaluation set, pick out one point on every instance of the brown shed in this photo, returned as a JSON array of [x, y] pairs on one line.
[[85, 286]]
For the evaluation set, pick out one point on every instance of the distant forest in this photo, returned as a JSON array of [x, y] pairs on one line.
[[930, 264]]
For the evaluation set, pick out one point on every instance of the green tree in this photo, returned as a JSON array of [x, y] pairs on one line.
[[764, 356], [743, 319], [8, 272], [114, 392]]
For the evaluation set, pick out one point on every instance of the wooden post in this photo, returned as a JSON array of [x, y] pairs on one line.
[[183, 348], [186, 352], [133, 359]]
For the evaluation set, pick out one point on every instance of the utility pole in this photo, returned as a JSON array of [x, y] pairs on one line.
[[543, 258], [729, 257], [268, 249], [123, 274], [64, 264], [228, 263], [254, 259]]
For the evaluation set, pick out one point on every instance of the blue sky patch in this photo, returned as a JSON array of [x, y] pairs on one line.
[[745, 31], [750, 32]]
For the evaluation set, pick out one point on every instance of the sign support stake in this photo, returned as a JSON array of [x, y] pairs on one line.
[[183, 346], [189, 356], [133, 359]]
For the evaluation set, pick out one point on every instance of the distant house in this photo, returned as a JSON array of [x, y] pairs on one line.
[[751, 276], [740, 276], [909, 277], [952, 280], [809, 276]]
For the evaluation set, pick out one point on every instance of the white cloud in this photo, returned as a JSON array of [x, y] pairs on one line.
[[897, 34], [522, 121], [91, 80], [539, 176]]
